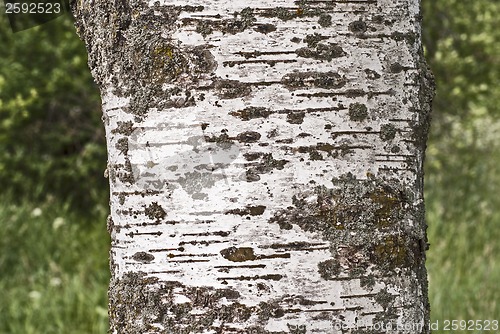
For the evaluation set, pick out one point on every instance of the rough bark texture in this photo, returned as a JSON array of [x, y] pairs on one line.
[[265, 164]]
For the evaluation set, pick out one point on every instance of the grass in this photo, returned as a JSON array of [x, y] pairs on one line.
[[53, 270], [464, 270], [462, 188]]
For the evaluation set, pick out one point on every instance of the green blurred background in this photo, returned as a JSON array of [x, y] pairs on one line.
[[53, 201]]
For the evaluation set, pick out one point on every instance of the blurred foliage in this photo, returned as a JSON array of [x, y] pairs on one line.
[[462, 44], [52, 140], [462, 41]]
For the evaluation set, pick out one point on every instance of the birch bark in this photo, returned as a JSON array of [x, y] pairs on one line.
[[265, 164]]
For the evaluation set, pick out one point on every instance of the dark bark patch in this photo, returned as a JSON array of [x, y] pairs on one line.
[[313, 40], [358, 27], [269, 310], [358, 112], [231, 89], [378, 19], [138, 302], [155, 212], [248, 137], [326, 80], [131, 290], [239, 23], [266, 164], [143, 257], [201, 60], [371, 74], [315, 155], [352, 93], [295, 117], [166, 63], [286, 14], [124, 128], [398, 36], [110, 224], [122, 145], [329, 269], [204, 28], [251, 156], [295, 245], [274, 277], [367, 207], [367, 281], [280, 218], [251, 175], [265, 28], [238, 254], [425, 96], [269, 163], [282, 13], [396, 68], [388, 205], [223, 140], [322, 52], [249, 210], [251, 113], [152, 61], [395, 149], [387, 132], [325, 147], [410, 37], [384, 298], [397, 251], [191, 9], [325, 20], [246, 17], [272, 133], [122, 172]]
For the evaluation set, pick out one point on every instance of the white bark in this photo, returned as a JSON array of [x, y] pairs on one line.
[[265, 164]]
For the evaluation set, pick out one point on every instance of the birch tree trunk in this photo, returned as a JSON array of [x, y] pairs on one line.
[[265, 164]]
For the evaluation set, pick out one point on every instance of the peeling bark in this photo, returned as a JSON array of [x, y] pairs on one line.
[[265, 163]]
